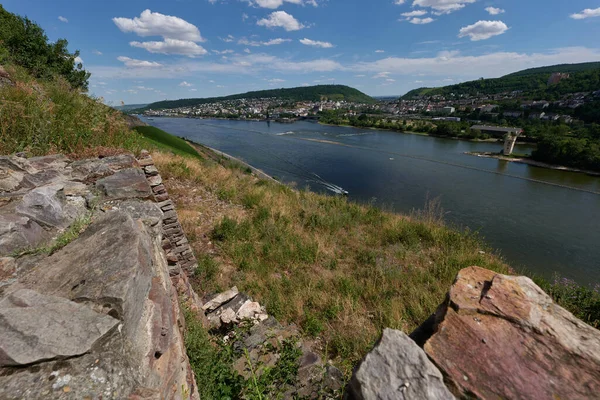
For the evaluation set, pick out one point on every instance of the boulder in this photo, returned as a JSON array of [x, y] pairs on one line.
[[48, 206], [5, 79], [19, 233], [125, 184], [501, 336], [37, 327], [397, 369], [220, 299]]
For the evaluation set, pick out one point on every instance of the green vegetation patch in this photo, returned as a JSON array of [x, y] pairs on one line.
[[165, 141]]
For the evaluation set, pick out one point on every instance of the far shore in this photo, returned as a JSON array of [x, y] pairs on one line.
[[529, 161]]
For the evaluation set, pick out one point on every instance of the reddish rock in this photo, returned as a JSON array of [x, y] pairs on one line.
[[501, 336]]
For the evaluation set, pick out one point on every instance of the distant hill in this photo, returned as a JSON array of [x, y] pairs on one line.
[[533, 82], [309, 93], [128, 107]]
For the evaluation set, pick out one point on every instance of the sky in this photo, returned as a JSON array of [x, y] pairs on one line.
[[146, 51]]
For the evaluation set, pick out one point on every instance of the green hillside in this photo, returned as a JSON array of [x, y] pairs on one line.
[[309, 93], [533, 82]]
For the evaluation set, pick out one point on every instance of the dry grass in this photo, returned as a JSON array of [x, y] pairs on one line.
[[340, 270]]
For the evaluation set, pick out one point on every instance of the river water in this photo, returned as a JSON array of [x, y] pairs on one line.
[[541, 220]]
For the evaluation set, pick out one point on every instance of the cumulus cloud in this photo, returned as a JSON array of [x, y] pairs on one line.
[[155, 24], [62, 19], [587, 13], [97, 52], [316, 43], [420, 21], [133, 63], [228, 39], [399, 2], [223, 52], [483, 30], [78, 60], [416, 13], [494, 10], [273, 4], [172, 46], [281, 19], [379, 51], [257, 43], [185, 84], [443, 6]]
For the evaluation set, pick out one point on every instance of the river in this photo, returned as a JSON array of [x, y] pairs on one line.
[[540, 220]]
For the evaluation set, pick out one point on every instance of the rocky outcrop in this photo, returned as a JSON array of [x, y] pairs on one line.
[[501, 336], [100, 317], [495, 337], [258, 340], [397, 369], [5, 78]]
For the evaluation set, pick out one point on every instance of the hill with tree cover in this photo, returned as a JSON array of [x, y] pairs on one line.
[[309, 93], [533, 83]]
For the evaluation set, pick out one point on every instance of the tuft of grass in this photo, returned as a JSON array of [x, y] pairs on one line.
[[42, 117], [71, 233]]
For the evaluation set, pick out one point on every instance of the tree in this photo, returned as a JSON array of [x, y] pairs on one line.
[[24, 43]]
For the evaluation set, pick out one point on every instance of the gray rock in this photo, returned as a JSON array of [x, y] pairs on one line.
[[47, 206], [18, 233], [37, 327], [220, 299], [125, 184], [92, 169], [12, 172], [397, 369]]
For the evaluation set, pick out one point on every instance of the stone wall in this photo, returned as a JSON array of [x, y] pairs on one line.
[[99, 318]]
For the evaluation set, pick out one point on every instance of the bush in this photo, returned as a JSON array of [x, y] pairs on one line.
[[24, 43]]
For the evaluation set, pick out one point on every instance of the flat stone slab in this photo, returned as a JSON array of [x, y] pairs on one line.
[[128, 183], [220, 299], [17, 233], [36, 327]]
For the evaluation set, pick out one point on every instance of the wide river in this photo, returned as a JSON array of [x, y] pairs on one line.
[[541, 220]]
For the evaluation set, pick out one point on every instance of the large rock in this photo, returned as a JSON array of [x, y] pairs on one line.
[[397, 369], [126, 184], [36, 327], [48, 206], [501, 336], [18, 233]]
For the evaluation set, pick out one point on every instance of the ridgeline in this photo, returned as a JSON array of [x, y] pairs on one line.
[[309, 93], [532, 82]]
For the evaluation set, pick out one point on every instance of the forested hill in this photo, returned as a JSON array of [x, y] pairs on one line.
[[309, 93], [533, 83]]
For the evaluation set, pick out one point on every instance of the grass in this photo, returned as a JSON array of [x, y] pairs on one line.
[[161, 140], [212, 361], [43, 117], [339, 270]]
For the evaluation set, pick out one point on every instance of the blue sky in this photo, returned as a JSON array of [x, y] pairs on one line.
[[144, 51]]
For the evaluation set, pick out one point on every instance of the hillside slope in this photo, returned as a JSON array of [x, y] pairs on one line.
[[309, 93], [533, 82]]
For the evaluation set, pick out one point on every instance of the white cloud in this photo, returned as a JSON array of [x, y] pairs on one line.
[[420, 21], [193, 90], [276, 80], [273, 4], [156, 24], [587, 13], [399, 2], [247, 51], [228, 39], [172, 46], [382, 75], [97, 52], [256, 43], [245, 16], [223, 52], [316, 43], [133, 63], [443, 6], [416, 13], [78, 60], [483, 30], [62, 19], [494, 10], [487, 65], [185, 84], [281, 19], [379, 51]]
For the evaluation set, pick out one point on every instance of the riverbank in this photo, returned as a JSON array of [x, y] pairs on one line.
[[529, 161]]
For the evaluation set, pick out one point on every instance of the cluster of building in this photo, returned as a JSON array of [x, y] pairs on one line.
[[264, 108]]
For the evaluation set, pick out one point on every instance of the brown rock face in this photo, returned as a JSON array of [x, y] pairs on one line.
[[500, 336]]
